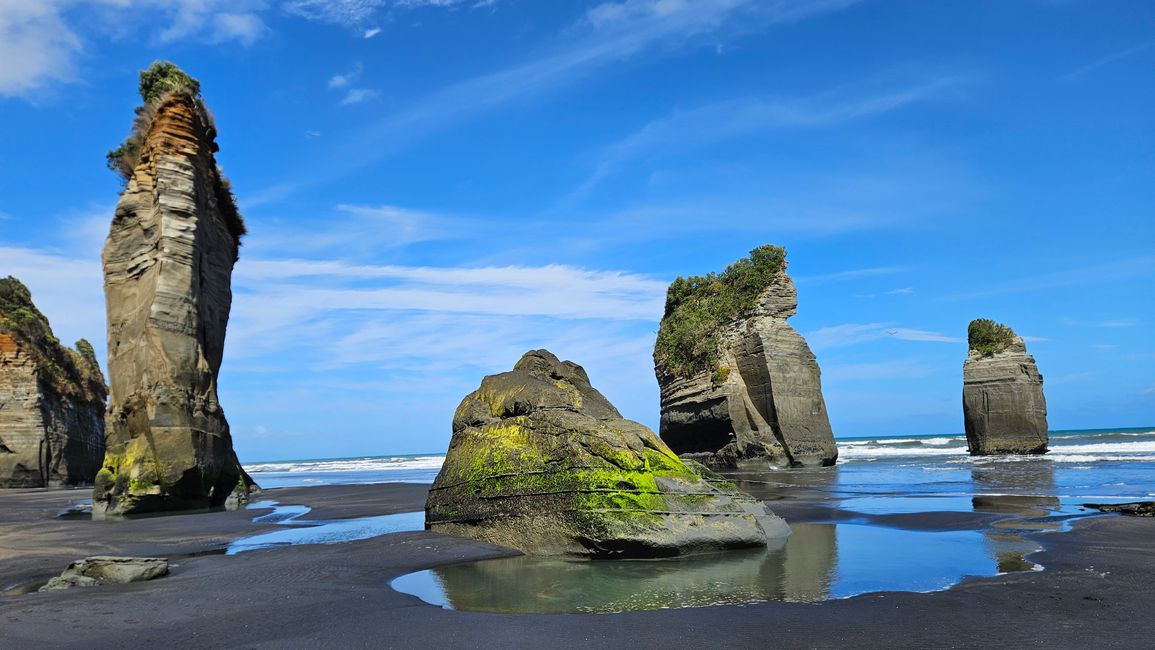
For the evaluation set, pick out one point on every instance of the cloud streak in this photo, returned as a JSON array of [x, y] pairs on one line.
[[836, 336], [733, 119]]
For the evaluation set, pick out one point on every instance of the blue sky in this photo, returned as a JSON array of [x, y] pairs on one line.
[[434, 187]]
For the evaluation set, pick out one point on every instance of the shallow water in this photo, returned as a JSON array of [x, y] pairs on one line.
[[303, 531], [876, 479]]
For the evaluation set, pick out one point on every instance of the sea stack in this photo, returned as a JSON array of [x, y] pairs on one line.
[[168, 265], [540, 461], [739, 386], [51, 400], [1003, 403]]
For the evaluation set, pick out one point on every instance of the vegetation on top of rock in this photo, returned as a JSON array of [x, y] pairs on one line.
[[68, 372], [159, 83], [988, 338], [164, 77], [698, 308]]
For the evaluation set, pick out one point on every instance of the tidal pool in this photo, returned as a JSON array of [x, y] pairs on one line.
[[818, 562], [303, 531]]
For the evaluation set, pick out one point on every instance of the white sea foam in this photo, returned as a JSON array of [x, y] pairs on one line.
[[382, 463], [871, 453], [946, 447], [1106, 448]]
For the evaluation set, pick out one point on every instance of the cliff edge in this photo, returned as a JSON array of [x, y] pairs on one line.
[[51, 400]]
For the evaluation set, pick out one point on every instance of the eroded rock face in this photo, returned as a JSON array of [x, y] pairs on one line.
[[168, 264], [762, 405], [1003, 404], [51, 400], [542, 462]]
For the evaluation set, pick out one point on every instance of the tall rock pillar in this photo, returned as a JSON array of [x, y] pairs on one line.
[[168, 265], [739, 385], [1003, 404]]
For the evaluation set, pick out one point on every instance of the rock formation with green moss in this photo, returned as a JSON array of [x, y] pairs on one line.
[[1004, 410], [51, 399], [739, 386], [168, 264], [542, 462]]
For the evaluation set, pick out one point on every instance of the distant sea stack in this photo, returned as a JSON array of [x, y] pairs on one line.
[[51, 400], [1003, 402], [739, 386], [540, 461], [168, 265]]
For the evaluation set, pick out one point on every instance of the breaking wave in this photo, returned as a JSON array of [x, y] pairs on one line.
[[367, 464], [1079, 447]]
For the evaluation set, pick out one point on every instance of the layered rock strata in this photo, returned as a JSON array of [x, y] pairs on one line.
[[168, 264], [759, 403], [540, 461], [51, 400], [1003, 404]]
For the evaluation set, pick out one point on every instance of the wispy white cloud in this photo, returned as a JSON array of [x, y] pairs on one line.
[[1084, 70], [854, 274], [355, 13], [364, 231], [903, 291], [732, 119], [357, 96], [609, 34], [36, 46], [1114, 271], [246, 29], [343, 80], [41, 40], [891, 369], [836, 336], [337, 12]]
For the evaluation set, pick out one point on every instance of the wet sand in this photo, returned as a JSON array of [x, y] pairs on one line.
[[1095, 592]]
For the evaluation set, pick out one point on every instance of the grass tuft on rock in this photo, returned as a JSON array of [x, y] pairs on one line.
[[698, 308], [988, 338]]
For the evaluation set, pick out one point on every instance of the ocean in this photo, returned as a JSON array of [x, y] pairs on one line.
[[1110, 465]]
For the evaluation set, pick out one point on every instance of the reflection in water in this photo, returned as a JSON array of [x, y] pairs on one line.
[[1023, 490], [818, 562]]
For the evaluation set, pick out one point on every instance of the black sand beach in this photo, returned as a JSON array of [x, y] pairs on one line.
[[1095, 590]]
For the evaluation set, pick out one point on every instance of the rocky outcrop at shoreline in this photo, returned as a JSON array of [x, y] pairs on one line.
[[540, 461], [168, 264], [739, 386], [51, 400], [1003, 404], [108, 570]]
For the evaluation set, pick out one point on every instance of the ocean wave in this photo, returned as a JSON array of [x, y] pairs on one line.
[[1087, 449], [371, 464], [869, 453], [1106, 448]]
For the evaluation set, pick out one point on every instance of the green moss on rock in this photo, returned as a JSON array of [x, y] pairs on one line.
[[531, 466]]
